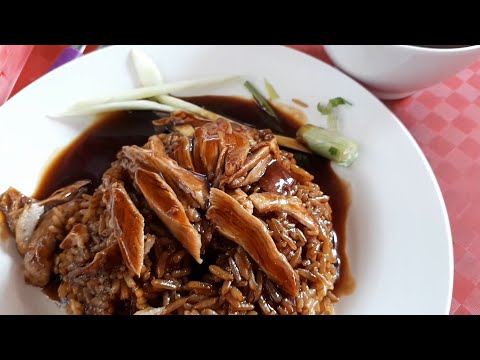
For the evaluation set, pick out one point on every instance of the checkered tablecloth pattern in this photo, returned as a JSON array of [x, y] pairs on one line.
[[445, 121]]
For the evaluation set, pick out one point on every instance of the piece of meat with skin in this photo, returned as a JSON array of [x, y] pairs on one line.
[[162, 200], [254, 175], [210, 159], [242, 198], [301, 175], [25, 225], [220, 150], [218, 178], [238, 225], [74, 246], [277, 179], [103, 262], [181, 153], [197, 150], [239, 148], [292, 206], [12, 203], [270, 141], [221, 141], [77, 237], [65, 194], [23, 213], [205, 151], [192, 188], [132, 157], [155, 144], [127, 224], [179, 118], [251, 161], [115, 173], [38, 259], [12, 200], [239, 128]]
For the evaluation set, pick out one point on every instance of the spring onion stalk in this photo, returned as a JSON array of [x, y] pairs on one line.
[[114, 106], [332, 122], [151, 79], [272, 93], [260, 99], [189, 107], [149, 75], [147, 71], [284, 141], [329, 144], [329, 111], [151, 91], [265, 105]]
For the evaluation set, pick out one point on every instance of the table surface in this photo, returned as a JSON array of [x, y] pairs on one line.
[[445, 121]]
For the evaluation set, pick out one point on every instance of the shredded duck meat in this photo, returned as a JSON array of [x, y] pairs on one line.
[[206, 217]]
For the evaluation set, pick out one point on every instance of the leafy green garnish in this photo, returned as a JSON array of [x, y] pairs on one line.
[[272, 94], [324, 109], [339, 101], [332, 104], [328, 110]]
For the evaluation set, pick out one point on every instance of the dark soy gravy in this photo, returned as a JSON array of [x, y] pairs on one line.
[[92, 152], [90, 155], [247, 111]]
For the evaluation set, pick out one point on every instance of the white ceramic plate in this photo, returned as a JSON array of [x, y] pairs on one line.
[[399, 241]]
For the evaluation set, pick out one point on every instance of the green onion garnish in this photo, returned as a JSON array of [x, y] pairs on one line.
[[272, 94], [265, 105], [328, 110], [329, 144]]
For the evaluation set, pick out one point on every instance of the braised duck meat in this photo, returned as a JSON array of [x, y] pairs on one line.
[[238, 225], [162, 199]]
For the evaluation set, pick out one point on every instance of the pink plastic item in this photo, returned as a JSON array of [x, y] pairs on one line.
[[12, 61]]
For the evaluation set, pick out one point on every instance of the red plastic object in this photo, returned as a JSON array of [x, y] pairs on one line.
[[12, 61]]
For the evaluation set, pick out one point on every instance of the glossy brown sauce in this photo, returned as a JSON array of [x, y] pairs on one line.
[[247, 111], [51, 289], [91, 154]]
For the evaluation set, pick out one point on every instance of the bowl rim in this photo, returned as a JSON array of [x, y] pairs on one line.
[[463, 49]]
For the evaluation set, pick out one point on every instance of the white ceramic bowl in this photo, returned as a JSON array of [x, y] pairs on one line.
[[397, 71]]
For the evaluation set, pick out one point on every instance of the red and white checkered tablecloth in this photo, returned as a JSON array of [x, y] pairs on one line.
[[445, 121]]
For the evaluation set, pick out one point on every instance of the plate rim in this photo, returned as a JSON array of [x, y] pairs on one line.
[[431, 175]]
